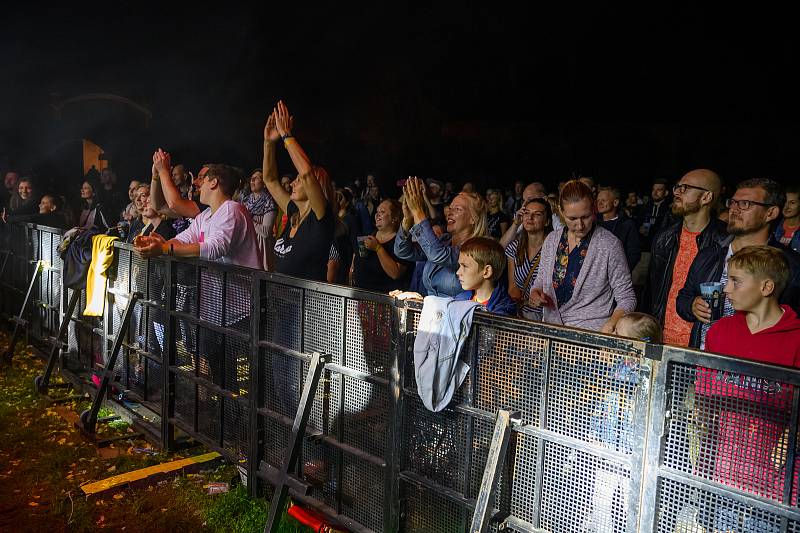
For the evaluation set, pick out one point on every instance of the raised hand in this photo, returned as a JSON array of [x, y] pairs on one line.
[[414, 195], [162, 161], [283, 120], [270, 130]]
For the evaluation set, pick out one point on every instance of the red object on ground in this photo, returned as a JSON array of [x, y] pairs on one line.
[[309, 518]]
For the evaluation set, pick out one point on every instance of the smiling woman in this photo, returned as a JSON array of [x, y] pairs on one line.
[[466, 218]]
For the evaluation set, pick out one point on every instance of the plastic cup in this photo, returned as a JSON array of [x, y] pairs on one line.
[[362, 249], [712, 293]]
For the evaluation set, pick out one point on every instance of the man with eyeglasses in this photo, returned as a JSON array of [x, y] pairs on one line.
[[675, 247], [754, 206]]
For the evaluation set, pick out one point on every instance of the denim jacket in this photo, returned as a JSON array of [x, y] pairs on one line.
[[441, 258]]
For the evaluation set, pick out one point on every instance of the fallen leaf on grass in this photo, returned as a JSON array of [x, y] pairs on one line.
[[112, 469], [118, 496]]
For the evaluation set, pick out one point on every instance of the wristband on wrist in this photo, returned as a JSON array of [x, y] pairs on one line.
[[155, 177], [287, 139]]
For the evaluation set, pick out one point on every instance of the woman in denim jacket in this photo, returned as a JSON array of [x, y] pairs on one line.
[[466, 218]]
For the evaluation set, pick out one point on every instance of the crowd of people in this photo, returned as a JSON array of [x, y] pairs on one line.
[[581, 254], [690, 264]]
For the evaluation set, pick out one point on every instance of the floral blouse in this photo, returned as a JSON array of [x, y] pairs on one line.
[[568, 266]]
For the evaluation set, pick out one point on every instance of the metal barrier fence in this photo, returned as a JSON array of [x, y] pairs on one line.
[[612, 434]]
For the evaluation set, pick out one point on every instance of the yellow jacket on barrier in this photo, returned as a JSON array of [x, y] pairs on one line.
[[102, 257]]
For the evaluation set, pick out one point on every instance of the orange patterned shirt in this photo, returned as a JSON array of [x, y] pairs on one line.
[[676, 330]]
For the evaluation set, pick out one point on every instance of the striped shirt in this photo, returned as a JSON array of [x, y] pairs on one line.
[[521, 270]]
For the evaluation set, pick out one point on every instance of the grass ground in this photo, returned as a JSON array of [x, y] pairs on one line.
[[44, 460]]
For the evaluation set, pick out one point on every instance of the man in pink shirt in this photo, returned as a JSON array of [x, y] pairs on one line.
[[224, 233]]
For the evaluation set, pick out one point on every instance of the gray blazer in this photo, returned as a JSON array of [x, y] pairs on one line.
[[603, 285]]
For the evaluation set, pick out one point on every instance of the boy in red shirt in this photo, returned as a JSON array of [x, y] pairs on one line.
[[752, 438]]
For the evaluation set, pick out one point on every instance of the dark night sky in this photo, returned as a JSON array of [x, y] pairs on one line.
[[437, 90]]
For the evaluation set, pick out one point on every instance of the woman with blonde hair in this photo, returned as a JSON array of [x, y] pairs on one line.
[[466, 218]]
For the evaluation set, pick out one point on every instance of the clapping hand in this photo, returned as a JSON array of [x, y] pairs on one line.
[[283, 120], [161, 161], [149, 246], [414, 192], [271, 130]]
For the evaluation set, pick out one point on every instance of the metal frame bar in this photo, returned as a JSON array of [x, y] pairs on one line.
[[315, 368], [88, 418], [494, 466], [19, 320]]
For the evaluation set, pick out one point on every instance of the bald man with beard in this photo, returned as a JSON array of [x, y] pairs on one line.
[[675, 247]]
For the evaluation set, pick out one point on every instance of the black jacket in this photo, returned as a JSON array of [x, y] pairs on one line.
[[627, 231], [662, 260], [708, 266]]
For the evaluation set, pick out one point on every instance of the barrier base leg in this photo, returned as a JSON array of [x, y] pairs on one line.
[[498, 447], [315, 369], [42, 382], [19, 320], [88, 419]]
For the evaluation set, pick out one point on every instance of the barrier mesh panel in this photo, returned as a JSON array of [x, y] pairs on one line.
[[436, 444], [362, 492], [369, 337], [322, 324], [184, 400], [366, 416], [592, 393], [581, 492], [729, 427], [283, 316], [686, 509], [236, 430], [283, 380], [428, 511], [523, 497], [208, 413], [276, 440], [320, 467], [509, 374]]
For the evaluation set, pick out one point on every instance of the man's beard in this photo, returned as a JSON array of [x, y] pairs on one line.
[[737, 227], [685, 208]]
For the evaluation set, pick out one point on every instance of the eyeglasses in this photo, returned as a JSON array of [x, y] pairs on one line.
[[680, 188], [744, 205]]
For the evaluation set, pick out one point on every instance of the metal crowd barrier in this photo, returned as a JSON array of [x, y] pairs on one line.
[[605, 433]]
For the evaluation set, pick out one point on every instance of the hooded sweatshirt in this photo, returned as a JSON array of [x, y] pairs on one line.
[[748, 436]]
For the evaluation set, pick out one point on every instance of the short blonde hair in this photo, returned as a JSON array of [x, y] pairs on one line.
[[765, 262], [642, 326]]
